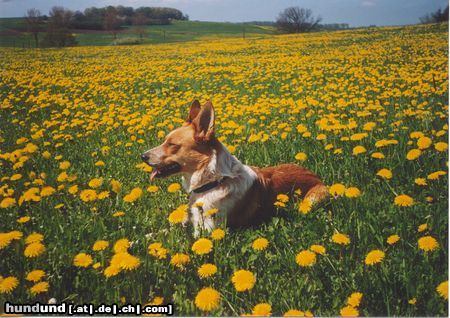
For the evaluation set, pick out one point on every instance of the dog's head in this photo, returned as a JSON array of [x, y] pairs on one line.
[[187, 148]]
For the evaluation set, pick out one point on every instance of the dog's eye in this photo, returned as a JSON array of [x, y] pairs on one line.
[[172, 144]]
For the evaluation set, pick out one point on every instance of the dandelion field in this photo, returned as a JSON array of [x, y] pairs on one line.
[[366, 110]]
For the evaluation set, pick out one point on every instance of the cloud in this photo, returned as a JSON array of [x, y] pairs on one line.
[[368, 3]]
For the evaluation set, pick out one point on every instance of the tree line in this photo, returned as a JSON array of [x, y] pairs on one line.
[[59, 21]]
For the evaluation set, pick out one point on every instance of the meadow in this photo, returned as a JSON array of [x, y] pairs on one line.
[[13, 33], [367, 110]]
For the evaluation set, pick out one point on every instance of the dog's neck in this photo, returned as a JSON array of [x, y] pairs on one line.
[[221, 164]]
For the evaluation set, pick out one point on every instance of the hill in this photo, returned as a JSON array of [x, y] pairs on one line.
[[13, 33]]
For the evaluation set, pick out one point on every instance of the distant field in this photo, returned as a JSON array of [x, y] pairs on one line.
[[12, 33]]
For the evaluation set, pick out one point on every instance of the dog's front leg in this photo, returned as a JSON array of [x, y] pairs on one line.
[[200, 222]]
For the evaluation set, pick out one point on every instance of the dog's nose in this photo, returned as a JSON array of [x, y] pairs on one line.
[[144, 157]]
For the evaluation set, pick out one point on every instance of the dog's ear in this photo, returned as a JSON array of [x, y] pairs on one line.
[[193, 111], [204, 123]]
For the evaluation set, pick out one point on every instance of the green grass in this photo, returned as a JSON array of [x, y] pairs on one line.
[[178, 31]]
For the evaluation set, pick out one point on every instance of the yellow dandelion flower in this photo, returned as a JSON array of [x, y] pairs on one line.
[[260, 244], [207, 299], [378, 155], [306, 258], [99, 163], [301, 156], [64, 165], [349, 311], [198, 205], [358, 150], [212, 212], [442, 289], [337, 189], [35, 275], [34, 249], [157, 250], [100, 245], [152, 189], [82, 260], [420, 181], [39, 288], [118, 214], [217, 234], [243, 280], [318, 249], [424, 142], [116, 186], [403, 200], [179, 215], [23, 219], [374, 257], [283, 198], [15, 235], [202, 246], [15, 177], [261, 310], [180, 260], [428, 243], [111, 271], [436, 175], [385, 173], [47, 191], [34, 237], [8, 284], [125, 261], [88, 195], [157, 301], [422, 227], [294, 313], [73, 189], [121, 245], [352, 192], [391, 240], [103, 195], [354, 299], [412, 301], [207, 270], [95, 183], [134, 195], [340, 238], [7, 203], [413, 154], [305, 206], [174, 187], [441, 146]]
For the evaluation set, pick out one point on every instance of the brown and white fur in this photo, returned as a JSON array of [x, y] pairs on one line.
[[246, 196]]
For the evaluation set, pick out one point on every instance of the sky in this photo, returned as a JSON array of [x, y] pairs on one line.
[[354, 12]]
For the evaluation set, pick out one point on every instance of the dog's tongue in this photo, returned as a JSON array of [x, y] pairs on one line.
[[153, 174]]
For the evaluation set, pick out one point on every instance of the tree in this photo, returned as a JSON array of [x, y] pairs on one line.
[[112, 22], [139, 21], [435, 17], [33, 21], [296, 20], [58, 33]]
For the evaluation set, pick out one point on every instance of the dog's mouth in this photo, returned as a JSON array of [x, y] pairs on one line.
[[164, 171]]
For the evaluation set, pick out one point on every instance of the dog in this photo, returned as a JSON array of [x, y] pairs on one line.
[[215, 179]]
